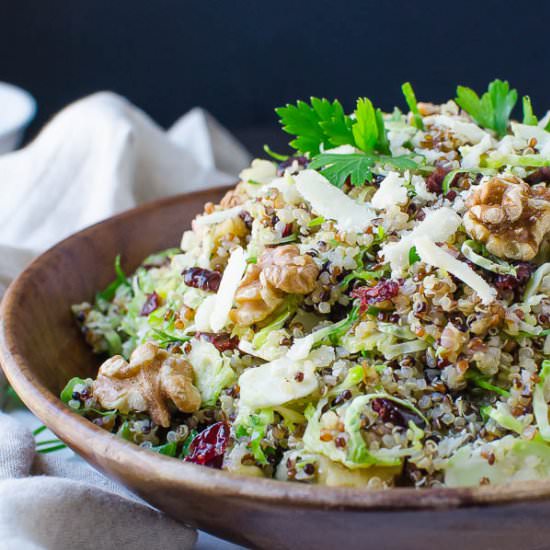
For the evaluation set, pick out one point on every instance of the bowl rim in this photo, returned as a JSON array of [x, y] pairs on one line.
[[30, 111], [77, 432]]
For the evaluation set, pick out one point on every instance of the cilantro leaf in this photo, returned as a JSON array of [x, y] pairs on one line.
[[493, 109], [321, 123], [368, 129], [410, 98], [528, 116], [358, 167]]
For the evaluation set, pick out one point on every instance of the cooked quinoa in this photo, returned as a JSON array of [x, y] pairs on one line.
[[373, 310]]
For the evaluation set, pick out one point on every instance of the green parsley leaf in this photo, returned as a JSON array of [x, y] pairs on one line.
[[358, 167], [493, 109], [321, 123], [528, 116], [368, 129], [338, 168], [413, 255], [410, 98]]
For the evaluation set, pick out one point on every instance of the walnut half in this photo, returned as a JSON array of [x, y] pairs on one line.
[[147, 383], [287, 270], [509, 216], [279, 270]]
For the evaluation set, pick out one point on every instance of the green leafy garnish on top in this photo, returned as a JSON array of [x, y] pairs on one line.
[[357, 167], [528, 115], [368, 129], [493, 109], [410, 98], [321, 123]]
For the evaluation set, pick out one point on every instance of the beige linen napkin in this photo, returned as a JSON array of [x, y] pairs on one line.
[[97, 157], [44, 511]]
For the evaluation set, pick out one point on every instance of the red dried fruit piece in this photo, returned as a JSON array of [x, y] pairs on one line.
[[517, 283], [152, 302], [434, 182], [389, 411], [204, 279], [384, 290], [222, 341], [208, 447], [287, 230], [542, 175]]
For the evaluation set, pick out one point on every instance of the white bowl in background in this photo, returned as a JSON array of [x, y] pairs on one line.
[[17, 109]]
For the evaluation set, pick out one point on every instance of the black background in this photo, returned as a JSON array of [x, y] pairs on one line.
[[239, 59]]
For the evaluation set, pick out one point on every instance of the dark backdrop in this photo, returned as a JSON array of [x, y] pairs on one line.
[[239, 59]]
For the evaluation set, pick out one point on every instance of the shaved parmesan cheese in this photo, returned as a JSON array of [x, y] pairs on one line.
[[217, 217], [467, 131], [527, 132], [274, 383], [204, 313], [391, 192], [236, 266], [331, 203], [260, 171], [421, 189], [431, 254], [286, 187], [438, 224], [301, 347], [471, 155]]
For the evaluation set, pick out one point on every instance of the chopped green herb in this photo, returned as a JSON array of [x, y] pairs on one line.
[[323, 123], [121, 280], [528, 116], [276, 156], [413, 255], [368, 129], [493, 109], [357, 167], [410, 98], [316, 221]]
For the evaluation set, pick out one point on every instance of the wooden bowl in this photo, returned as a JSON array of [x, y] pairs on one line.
[[41, 348]]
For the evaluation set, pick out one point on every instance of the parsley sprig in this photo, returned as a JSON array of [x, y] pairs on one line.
[[357, 167], [493, 109], [321, 123]]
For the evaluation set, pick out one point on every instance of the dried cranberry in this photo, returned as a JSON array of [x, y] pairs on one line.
[[388, 411], [287, 230], [152, 302], [222, 341], [515, 283], [247, 218], [539, 176], [384, 290], [204, 279], [451, 195], [434, 182], [208, 447]]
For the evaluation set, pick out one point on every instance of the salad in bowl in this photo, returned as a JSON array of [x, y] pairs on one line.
[[370, 311]]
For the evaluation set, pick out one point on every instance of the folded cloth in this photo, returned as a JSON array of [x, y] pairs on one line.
[[97, 157], [102, 155], [46, 512]]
